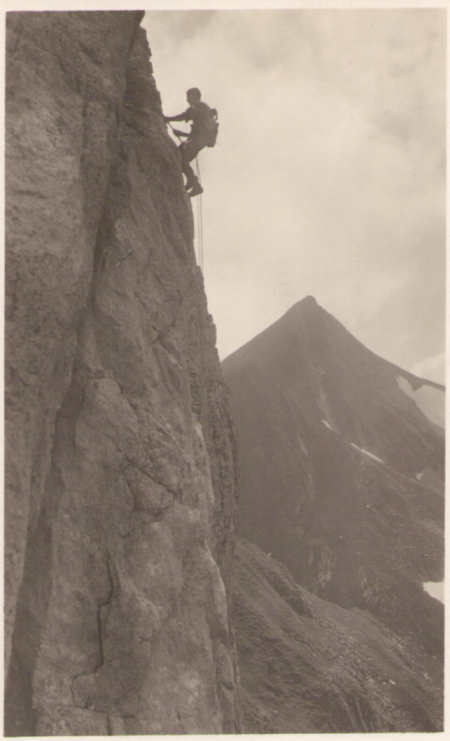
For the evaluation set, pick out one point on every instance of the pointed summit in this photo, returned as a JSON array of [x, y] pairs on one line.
[[307, 334], [334, 462], [308, 303], [306, 310]]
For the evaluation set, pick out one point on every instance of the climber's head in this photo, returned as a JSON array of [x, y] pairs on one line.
[[193, 95]]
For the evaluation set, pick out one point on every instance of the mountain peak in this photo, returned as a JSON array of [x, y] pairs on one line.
[[306, 305], [307, 301], [331, 452]]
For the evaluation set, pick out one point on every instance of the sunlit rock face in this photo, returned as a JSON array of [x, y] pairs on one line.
[[120, 459], [332, 455]]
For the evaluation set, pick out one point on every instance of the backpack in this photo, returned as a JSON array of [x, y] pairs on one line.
[[211, 128]]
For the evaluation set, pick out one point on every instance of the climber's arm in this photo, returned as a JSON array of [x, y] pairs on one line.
[[180, 117]]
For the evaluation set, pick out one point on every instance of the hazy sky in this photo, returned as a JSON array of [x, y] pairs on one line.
[[329, 173]]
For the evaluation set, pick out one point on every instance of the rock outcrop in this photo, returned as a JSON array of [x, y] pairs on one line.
[[120, 475], [309, 666], [122, 591], [336, 464]]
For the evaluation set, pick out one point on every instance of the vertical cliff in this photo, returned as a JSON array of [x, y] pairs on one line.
[[120, 476]]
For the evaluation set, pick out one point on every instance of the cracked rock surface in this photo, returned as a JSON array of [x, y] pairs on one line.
[[120, 481]]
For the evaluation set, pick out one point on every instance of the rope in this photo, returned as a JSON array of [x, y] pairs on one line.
[[174, 132], [199, 220], [199, 209]]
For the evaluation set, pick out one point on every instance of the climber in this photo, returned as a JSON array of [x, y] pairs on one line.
[[203, 133]]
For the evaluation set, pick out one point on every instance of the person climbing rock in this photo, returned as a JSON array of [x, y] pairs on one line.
[[203, 133]]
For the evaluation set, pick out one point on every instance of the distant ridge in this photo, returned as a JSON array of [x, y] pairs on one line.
[[306, 307]]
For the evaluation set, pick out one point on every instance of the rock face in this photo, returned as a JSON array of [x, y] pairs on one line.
[[121, 475], [121, 479], [309, 666], [336, 464]]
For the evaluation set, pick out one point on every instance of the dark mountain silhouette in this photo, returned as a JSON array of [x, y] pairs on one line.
[[341, 473]]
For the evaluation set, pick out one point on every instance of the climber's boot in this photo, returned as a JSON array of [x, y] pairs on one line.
[[196, 190]]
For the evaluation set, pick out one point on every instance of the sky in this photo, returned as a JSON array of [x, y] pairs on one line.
[[328, 178]]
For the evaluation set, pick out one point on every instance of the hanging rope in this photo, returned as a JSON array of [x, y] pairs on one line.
[[199, 220], [174, 132], [199, 209]]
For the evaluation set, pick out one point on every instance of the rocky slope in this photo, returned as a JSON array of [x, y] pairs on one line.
[[121, 474], [309, 666], [120, 457], [336, 464]]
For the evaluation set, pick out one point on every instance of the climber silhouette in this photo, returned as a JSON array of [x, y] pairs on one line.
[[203, 133]]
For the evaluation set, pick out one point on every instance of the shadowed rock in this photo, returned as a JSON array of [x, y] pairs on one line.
[[341, 473], [309, 666], [120, 480]]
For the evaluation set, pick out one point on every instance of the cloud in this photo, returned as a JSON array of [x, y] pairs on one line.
[[431, 402], [328, 177], [432, 368]]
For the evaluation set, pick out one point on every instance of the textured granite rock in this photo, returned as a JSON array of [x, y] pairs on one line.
[[121, 478]]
